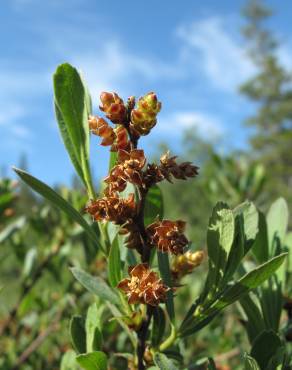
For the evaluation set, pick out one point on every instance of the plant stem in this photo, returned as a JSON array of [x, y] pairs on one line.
[[145, 255], [142, 335], [168, 341]]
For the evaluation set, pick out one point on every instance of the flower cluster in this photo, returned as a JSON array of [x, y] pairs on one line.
[[130, 121], [167, 169], [113, 107], [168, 236], [117, 137], [128, 169], [115, 209], [144, 286], [143, 118]]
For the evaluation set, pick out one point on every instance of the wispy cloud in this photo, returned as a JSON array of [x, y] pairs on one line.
[[115, 67], [221, 57], [206, 125]]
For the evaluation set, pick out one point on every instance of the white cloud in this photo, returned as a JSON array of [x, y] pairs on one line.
[[116, 68], [223, 60], [204, 124]]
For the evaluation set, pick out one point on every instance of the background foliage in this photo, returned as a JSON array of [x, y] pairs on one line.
[[39, 243]]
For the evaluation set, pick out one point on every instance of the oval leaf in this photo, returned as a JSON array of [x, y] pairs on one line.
[[93, 361], [163, 362], [78, 334]]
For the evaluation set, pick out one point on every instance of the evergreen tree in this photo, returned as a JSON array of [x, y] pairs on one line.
[[270, 88]]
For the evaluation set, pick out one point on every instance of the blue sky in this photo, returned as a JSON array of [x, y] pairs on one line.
[[189, 52]]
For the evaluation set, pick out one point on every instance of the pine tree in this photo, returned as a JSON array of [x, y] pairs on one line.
[[271, 90]]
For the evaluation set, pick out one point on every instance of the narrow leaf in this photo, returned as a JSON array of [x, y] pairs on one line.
[[72, 110], [220, 237], [250, 281], [277, 221], [158, 326], [153, 205], [265, 347], [163, 264], [112, 160], [96, 286], [57, 201], [250, 220], [255, 323], [68, 144], [114, 263], [261, 246]]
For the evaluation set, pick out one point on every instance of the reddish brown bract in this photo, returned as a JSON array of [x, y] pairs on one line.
[[113, 107], [115, 209], [168, 236], [179, 171], [144, 286], [99, 126]]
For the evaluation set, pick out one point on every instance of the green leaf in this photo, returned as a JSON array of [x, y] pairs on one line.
[[237, 251], [78, 334], [278, 359], [271, 299], [163, 264], [29, 262], [93, 361], [112, 160], [92, 325], [69, 361], [12, 228], [153, 205], [158, 326], [250, 219], [114, 263], [249, 281], [68, 144], [163, 362], [57, 201], [250, 363], [72, 111], [265, 347], [260, 248], [211, 364], [277, 221], [255, 323], [96, 286], [220, 237]]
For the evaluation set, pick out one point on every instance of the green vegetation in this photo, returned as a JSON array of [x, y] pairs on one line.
[[109, 278]]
